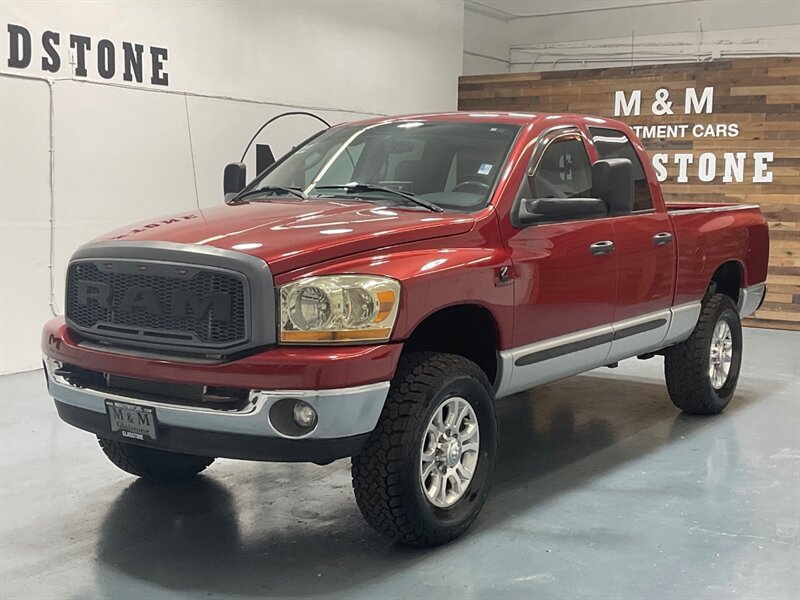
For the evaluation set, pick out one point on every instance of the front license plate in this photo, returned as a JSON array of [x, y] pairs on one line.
[[131, 420]]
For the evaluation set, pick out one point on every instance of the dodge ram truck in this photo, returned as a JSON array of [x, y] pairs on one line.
[[374, 292]]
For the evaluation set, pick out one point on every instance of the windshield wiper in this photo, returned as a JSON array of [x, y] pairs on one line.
[[368, 187], [279, 189]]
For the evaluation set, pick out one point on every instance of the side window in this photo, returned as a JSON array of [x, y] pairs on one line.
[[611, 143], [563, 171]]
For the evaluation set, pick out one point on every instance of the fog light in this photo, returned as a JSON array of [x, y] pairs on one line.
[[303, 414]]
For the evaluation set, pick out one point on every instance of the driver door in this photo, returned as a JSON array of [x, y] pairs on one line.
[[565, 273]]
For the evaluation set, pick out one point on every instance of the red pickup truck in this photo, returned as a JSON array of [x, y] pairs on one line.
[[374, 292]]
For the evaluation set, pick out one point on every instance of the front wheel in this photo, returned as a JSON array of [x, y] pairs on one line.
[[424, 474], [153, 464], [702, 371]]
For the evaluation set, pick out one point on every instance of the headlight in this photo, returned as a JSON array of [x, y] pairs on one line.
[[340, 308]]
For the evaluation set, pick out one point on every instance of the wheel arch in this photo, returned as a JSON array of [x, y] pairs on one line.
[[728, 279], [469, 330]]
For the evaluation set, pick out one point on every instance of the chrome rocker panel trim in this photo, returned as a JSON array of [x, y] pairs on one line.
[[556, 358], [342, 412]]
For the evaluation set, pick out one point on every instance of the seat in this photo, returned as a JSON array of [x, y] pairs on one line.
[[409, 172]]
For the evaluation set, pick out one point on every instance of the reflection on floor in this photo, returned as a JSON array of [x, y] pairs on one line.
[[602, 490]]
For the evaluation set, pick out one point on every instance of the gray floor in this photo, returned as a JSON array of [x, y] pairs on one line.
[[602, 491]]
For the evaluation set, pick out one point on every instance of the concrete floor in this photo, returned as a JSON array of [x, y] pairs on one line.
[[603, 490]]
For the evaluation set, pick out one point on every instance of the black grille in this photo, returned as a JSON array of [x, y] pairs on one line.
[[179, 393], [204, 324]]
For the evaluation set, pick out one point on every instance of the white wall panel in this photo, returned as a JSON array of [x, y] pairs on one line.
[[381, 56], [133, 163], [124, 154], [24, 221], [486, 43]]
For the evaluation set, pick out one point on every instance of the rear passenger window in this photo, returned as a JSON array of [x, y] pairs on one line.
[[611, 143], [563, 171]]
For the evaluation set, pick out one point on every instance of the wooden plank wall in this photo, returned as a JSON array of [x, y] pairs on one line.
[[761, 95]]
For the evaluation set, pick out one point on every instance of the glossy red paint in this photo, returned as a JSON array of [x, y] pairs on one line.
[[710, 235], [646, 272], [560, 287], [436, 274], [279, 368], [443, 259], [290, 233]]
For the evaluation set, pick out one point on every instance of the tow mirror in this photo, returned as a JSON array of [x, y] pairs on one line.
[[612, 182], [234, 179], [544, 210]]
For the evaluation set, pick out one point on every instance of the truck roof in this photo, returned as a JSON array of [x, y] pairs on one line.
[[503, 117]]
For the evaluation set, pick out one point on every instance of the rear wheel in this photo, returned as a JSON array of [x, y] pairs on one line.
[[424, 474], [156, 465], [702, 371]]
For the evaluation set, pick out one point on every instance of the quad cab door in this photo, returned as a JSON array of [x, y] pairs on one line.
[[645, 249], [565, 272]]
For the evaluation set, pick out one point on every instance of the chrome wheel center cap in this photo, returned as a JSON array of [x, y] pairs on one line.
[[453, 453]]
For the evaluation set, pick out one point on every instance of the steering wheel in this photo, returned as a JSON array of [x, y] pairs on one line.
[[471, 183]]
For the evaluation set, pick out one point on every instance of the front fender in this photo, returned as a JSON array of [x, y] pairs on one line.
[[434, 279]]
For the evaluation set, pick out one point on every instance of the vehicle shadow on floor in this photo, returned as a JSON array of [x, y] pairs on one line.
[[198, 538]]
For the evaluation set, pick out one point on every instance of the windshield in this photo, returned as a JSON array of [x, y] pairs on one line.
[[450, 164]]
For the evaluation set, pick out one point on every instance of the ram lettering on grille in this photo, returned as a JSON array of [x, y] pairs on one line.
[[205, 308], [216, 306]]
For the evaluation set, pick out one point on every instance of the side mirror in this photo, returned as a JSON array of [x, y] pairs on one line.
[[234, 179], [612, 182], [543, 210]]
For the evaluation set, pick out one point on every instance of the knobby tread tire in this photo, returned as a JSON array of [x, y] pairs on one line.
[[153, 464], [383, 473], [686, 364]]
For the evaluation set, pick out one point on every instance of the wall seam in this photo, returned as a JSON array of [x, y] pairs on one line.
[[191, 152], [194, 94]]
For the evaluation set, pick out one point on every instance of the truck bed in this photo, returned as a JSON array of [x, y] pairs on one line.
[[708, 234]]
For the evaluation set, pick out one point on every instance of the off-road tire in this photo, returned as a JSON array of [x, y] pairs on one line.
[[686, 365], [152, 464], [386, 478]]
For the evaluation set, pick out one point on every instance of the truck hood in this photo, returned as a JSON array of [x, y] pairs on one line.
[[291, 234]]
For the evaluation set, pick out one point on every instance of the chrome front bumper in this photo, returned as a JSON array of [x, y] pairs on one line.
[[345, 413]]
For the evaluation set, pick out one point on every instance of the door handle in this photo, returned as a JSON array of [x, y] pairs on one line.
[[604, 247], [662, 239]]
